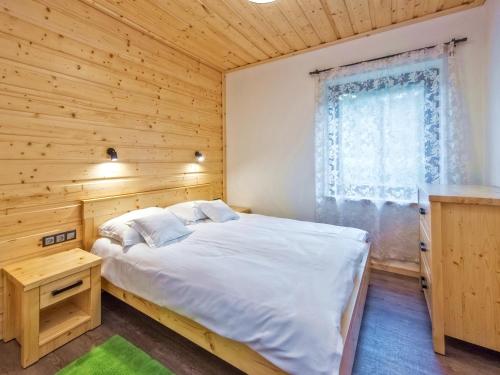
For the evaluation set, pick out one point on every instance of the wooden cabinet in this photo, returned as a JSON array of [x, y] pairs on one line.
[[50, 301], [460, 262]]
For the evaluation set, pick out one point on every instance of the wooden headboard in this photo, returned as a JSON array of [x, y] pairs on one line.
[[97, 211]]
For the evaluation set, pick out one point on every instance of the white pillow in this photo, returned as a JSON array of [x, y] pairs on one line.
[[118, 230], [218, 211], [187, 212], [158, 230]]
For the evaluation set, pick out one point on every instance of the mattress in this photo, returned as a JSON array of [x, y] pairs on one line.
[[279, 286]]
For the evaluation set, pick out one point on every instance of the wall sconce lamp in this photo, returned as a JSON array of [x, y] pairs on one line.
[[200, 158], [112, 154]]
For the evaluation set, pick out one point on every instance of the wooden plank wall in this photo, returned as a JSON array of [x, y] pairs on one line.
[[73, 82]]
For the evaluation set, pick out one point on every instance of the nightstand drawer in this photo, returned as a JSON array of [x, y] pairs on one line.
[[66, 287]]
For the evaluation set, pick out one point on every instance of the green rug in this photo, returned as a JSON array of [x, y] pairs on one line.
[[115, 357]]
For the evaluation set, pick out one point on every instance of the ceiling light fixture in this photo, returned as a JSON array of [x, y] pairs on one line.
[[261, 1]]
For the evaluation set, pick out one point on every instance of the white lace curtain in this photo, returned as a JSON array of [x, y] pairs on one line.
[[382, 128]]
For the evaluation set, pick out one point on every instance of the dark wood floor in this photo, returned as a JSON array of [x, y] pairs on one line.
[[395, 339]]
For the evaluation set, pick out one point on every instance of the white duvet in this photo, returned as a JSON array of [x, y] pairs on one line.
[[278, 285]]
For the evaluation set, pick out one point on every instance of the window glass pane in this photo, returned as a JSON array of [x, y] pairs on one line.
[[379, 133]]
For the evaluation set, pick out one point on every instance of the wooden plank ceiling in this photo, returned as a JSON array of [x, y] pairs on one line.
[[228, 34]]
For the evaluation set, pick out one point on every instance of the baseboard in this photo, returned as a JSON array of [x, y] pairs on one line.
[[394, 266]]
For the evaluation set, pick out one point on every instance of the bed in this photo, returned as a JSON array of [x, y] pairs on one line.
[[243, 312]]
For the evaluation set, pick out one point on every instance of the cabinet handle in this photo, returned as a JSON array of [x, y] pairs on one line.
[[422, 246], [423, 282], [422, 211], [55, 292]]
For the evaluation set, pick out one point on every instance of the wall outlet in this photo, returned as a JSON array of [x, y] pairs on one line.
[[61, 237], [58, 238], [71, 235], [48, 240]]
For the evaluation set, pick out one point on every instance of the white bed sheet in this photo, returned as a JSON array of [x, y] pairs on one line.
[[278, 285]]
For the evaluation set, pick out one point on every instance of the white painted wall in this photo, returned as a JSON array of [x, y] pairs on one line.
[[493, 81], [270, 111]]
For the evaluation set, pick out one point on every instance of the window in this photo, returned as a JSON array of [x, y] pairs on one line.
[[383, 134], [381, 128]]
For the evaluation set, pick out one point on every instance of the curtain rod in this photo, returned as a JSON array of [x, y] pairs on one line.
[[456, 41]]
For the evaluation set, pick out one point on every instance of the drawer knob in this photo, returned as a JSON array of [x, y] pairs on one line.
[[423, 282], [55, 292], [422, 211], [422, 245]]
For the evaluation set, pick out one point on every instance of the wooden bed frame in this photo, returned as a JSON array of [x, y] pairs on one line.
[[97, 211]]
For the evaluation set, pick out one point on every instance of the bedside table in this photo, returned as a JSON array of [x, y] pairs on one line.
[[244, 210], [51, 300]]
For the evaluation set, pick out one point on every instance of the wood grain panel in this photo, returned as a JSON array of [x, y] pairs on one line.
[[359, 13], [271, 13], [254, 18], [75, 81], [228, 34], [30, 218], [340, 15], [471, 264], [295, 16], [91, 27], [317, 15], [462, 264], [240, 24], [381, 12], [403, 10], [172, 26]]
